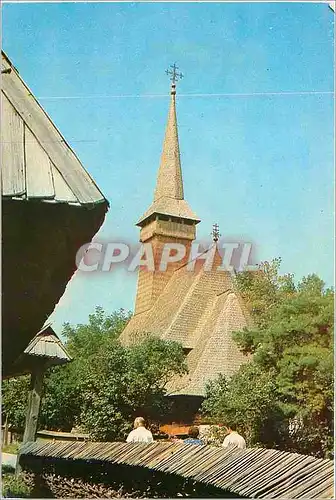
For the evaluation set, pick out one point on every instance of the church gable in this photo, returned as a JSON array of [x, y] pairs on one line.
[[194, 309], [165, 312], [215, 351], [200, 310]]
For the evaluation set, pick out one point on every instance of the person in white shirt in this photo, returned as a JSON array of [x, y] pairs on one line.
[[140, 434], [233, 439]]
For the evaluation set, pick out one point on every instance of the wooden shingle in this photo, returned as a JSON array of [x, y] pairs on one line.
[[200, 309], [36, 160]]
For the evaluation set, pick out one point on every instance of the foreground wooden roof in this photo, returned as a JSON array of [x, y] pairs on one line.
[[250, 473], [47, 345], [37, 161], [50, 208]]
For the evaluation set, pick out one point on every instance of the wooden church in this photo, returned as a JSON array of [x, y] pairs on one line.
[[199, 309]]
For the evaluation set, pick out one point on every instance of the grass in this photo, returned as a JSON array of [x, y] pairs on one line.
[[11, 448]]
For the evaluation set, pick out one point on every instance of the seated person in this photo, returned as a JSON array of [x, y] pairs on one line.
[[193, 436]]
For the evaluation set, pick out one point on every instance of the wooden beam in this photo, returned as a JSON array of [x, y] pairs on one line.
[[34, 400]]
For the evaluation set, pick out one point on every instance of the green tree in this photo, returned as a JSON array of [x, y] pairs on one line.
[[289, 379], [247, 400], [84, 339], [121, 383], [264, 289], [61, 403], [15, 400], [106, 384], [63, 397]]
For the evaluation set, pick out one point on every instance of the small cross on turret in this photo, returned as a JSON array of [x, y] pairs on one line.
[[215, 233]]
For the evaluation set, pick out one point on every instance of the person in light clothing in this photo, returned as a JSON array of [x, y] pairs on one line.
[[233, 438], [140, 434]]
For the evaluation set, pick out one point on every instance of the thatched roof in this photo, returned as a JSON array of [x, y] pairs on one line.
[[50, 206], [250, 473]]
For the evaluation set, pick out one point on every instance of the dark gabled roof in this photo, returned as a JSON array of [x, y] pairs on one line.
[[37, 162], [51, 207]]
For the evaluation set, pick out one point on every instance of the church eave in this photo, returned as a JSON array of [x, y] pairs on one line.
[[169, 207], [146, 218]]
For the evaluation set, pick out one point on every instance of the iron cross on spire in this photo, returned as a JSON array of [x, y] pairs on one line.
[[173, 73], [215, 232]]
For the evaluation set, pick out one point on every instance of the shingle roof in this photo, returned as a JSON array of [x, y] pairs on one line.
[[169, 196], [45, 350], [200, 310], [37, 162], [46, 344], [169, 206]]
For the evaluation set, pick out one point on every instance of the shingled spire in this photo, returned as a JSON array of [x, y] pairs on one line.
[[169, 219], [168, 195], [169, 181]]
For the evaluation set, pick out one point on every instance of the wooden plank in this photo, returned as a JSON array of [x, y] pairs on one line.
[[33, 410], [59, 434], [38, 169], [12, 151], [33, 405], [53, 142], [179, 459], [62, 191]]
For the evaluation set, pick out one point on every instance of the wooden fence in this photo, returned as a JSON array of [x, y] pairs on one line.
[[250, 473]]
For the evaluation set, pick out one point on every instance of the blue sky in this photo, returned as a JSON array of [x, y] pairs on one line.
[[259, 165]]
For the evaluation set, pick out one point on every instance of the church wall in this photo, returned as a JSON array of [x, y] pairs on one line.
[[184, 412], [152, 283]]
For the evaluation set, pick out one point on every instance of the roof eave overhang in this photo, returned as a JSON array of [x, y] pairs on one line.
[[141, 222]]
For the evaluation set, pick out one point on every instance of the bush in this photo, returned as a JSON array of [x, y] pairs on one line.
[[14, 486]]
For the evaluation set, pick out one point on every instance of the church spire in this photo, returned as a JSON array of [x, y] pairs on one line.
[[168, 194], [169, 219], [169, 180]]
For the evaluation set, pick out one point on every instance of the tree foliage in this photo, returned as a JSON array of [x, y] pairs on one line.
[[15, 400], [283, 397], [246, 401], [124, 382], [106, 385]]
